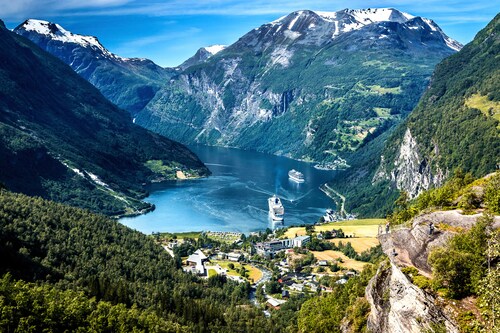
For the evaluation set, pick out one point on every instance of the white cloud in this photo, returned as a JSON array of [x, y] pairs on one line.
[[26, 8]]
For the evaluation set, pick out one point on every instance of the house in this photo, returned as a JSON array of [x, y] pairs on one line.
[[196, 262], [274, 303], [323, 263], [285, 294], [233, 256], [297, 286], [341, 281]]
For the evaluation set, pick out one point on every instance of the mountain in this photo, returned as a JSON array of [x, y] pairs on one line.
[[130, 83], [61, 139], [310, 85], [202, 55], [454, 126]]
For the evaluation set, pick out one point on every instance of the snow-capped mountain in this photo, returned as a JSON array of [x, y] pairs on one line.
[[128, 82], [311, 85], [202, 55], [57, 33], [316, 28]]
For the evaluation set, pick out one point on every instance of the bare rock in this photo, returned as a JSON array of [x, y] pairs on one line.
[[398, 306]]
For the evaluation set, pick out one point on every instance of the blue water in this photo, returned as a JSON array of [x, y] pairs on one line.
[[235, 197]]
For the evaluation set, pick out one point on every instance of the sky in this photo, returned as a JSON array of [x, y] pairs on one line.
[[170, 31]]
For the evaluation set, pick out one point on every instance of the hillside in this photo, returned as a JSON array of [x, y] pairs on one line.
[[310, 85], [129, 83], [455, 125], [61, 139], [90, 273]]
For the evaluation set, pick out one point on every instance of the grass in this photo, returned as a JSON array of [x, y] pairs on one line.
[[359, 228], [482, 103], [181, 235], [211, 272], [254, 274], [348, 263], [383, 90], [382, 112], [359, 244]]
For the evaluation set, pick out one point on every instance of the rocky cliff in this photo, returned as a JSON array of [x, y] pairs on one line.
[[456, 123], [397, 305], [410, 171]]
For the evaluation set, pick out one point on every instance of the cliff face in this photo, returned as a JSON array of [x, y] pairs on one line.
[[410, 171], [398, 306]]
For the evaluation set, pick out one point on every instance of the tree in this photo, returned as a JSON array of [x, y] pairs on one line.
[[460, 266]]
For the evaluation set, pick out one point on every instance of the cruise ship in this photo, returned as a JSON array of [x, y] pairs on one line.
[[276, 209], [296, 176]]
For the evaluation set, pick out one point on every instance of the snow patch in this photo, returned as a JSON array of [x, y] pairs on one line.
[[297, 15], [214, 49], [75, 170], [292, 34], [58, 33]]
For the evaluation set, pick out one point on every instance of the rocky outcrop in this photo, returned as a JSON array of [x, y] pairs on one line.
[[410, 171], [398, 306]]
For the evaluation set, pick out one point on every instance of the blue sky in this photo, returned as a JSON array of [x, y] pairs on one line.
[[170, 31]]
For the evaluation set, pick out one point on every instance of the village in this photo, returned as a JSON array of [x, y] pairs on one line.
[[288, 262]]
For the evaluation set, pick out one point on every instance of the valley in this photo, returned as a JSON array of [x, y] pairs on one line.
[[391, 223]]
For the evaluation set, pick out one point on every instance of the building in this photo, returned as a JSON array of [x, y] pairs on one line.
[[301, 241], [233, 256], [271, 247], [274, 303], [196, 262]]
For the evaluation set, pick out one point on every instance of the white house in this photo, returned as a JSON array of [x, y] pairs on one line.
[[197, 262]]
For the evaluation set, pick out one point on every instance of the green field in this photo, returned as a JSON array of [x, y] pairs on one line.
[[181, 235], [254, 274]]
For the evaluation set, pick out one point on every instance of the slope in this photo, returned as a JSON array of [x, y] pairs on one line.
[[77, 258], [310, 85], [455, 125], [61, 139], [130, 83]]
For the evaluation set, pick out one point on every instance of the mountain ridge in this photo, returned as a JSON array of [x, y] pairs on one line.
[[251, 88], [128, 82], [454, 126], [63, 140]]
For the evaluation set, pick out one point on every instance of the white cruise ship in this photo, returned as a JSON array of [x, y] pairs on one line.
[[296, 176], [276, 209]]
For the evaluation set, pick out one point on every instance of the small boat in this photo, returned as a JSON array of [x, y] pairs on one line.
[[276, 210], [296, 176]]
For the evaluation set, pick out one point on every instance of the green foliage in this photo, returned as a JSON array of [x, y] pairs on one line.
[[53, 122], [416, 278], [29, 307], [489, 297], [75, 250], [460, 266], [325, 313], [492, 194]]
